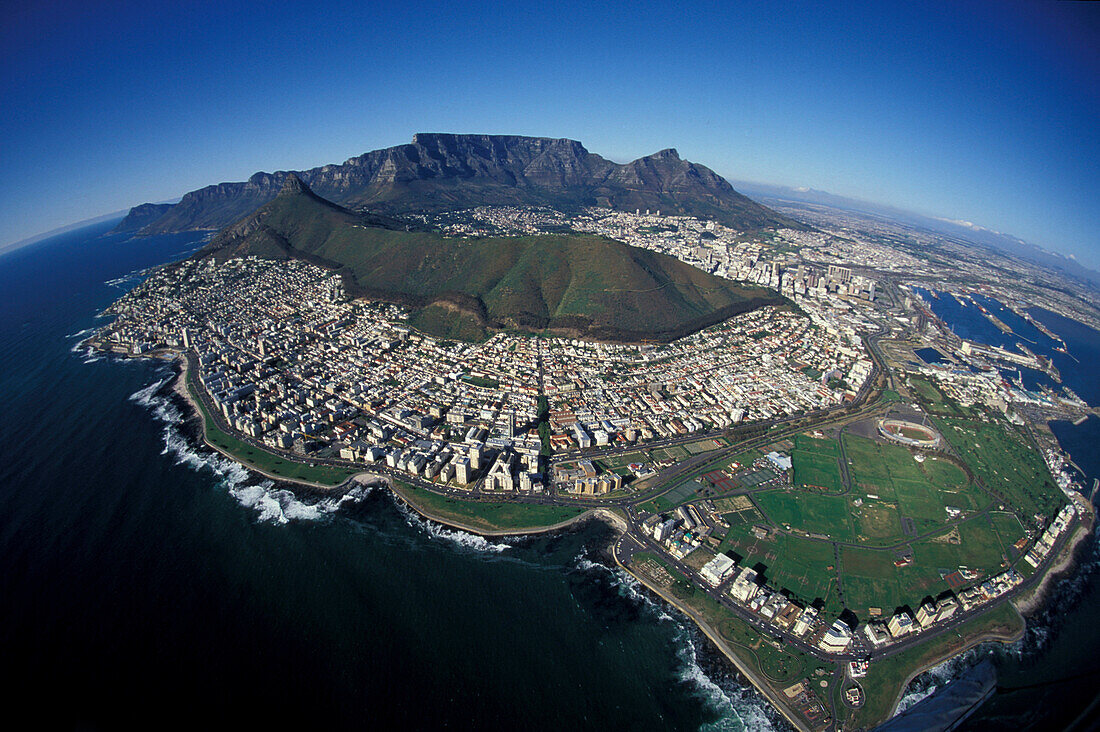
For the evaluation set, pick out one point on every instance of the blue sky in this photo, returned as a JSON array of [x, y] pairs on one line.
[[986, 112]]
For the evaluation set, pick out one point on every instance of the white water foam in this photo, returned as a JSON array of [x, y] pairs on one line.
[[128, 277], [281, 506], [80, 333], [1040, 630], [627, 585], [460, 538], [739, 707], [271, 504], [939, 676]]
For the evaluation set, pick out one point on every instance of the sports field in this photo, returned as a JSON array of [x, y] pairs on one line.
[[810, 512], [894, 498], [897, 507], [804, 569], [871, 579], [816, 464], [906, 529], [1003, 458], [887, 477]]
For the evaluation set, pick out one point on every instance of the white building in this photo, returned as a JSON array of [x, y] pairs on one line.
[[717, 570]]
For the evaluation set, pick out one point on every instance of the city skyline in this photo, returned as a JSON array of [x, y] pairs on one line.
[[984, 113]]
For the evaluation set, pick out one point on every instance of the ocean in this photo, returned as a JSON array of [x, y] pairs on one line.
[[151, 582], [1049, 678]]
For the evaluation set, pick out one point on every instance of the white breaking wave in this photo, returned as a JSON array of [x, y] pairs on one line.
[[740, 707], [455, 536], [913, 698], [627, 585], [161, 408], [80, 333], [281, 506], [129, 276], [1040, 630], [939, 676], [271, 504]]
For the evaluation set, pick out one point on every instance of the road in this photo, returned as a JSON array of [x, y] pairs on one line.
[[635, 540]]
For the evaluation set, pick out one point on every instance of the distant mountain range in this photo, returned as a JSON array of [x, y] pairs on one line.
[[574, 285], [1005, 243], [445, 172]]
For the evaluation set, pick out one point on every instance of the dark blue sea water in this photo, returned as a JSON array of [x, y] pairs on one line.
[[1077, 367], [149, 583], [929, 355], [1049, 679]]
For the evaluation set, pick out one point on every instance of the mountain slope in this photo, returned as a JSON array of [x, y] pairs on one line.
[[141, 216], [439, 172], [584, 286]]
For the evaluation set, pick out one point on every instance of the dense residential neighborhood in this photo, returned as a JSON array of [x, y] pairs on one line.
[[290, 362]]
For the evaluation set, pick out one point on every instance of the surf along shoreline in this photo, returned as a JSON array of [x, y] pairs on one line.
[[616, 522], [1026, 604], [371, 478]]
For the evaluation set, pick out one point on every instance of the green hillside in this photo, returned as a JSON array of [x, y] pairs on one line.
[[571, 284]]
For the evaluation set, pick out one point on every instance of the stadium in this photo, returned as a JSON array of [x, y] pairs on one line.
[[909, 433]]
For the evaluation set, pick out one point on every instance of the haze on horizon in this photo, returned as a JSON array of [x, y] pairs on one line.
[[984, 112]]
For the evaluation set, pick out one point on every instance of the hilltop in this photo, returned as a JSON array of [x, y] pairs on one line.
[[447, 172], [141, 216], [582, 286]]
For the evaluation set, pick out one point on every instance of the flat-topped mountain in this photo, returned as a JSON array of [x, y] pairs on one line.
[[445, 172], [582, 286]]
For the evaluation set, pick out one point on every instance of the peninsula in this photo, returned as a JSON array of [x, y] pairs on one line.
[[747, 406]]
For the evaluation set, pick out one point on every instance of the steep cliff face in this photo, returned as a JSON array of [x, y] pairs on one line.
[[141, 216], [439, 171]]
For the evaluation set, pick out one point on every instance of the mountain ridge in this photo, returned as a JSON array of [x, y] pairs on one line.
[[447, 171], [575, 285]]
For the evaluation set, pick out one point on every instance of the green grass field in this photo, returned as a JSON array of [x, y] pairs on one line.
[[815, 463], [615, 462], [1008, 527], [919, 491], [870, 579], [811, 512], [804, 572], [487, 516], [905, 489], [1007, 463], [876, 523], [978, 547]]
